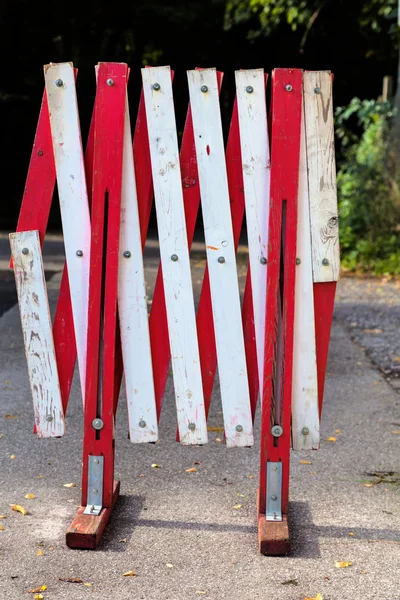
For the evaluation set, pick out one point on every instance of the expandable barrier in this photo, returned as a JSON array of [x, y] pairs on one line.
[[282, 175]]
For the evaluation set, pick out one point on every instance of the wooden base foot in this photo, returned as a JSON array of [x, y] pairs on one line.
[[85, 531], [273, 536]]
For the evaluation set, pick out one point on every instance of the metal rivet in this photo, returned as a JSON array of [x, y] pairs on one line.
[[274, 468], [192, 426], [174, 257], [110, 82], [204, 89], [305, 431], [59, 82], [263, 260], [325, 262], [239, 428], [274, 497], [95, 491], [317, 90], [221, 259], [298, 261], [277, 431], [142, 423], [98, 424], [79, 253], [40, 152], [288, 87], [249, 89], [156, 86], [25, 251], [96, 461], [49, 418], [127, 254]]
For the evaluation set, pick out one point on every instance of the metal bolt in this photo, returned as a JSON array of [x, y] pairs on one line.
[[40, 152], [204, 89], [96, 461], [174, 257], [274, 468], [221, 259], [263, 260], [79, 253], [305, 431], [95, 491], [59, 82], [127, 254], [325, 262], [249, 89], [25, 251], [49, 418], [110, 82], [317, 90], [239, 428], [277, 431], [298, 261], [274, 497], [156, 86], [97, 424], [142, 423], [288, 87], [192, 426]]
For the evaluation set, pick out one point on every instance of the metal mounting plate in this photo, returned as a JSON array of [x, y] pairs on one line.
[[274, 491], [95, 485]]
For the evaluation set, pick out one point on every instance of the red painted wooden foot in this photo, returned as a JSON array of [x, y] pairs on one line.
[[273, 536], [85, 531]]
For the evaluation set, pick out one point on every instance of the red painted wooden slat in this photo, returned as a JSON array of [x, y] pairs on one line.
[[277, 384], [324, 299]]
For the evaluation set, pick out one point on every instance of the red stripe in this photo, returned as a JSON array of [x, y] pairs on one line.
[[324, 298]]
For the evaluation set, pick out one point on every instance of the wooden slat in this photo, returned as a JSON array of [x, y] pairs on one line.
[[132, 308], [37, 331], [305, 414], [256, 165], [220, 246], [67, 147], [173, 242], [321, 175]]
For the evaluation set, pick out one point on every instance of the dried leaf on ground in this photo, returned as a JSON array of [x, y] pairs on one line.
[[124, 541], [19, 508], [342, 564], [1, 528], [237, 506], [351, 534], [169, 565], [13, 456], [396, 431], [290, 582], [8, 416], [88, 584], [200, 592], [215, 429], [331, 439], [317, 597], [217, 439], [69, 485], [155, 466], [192, 470], [30, 496], [38, 597], [71, 579], [338, 431], [251, 476], [305, 462], [373, 331], [41, 588], [39, 552], [128, 574], [3, 517]]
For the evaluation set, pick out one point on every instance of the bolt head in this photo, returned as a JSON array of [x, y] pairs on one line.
[[263, 260], [40, 152], [98, 424], [156, 86], [325, 262], [59, 82], [174, 257], [49, 418], [274, 497], [221, 259], [288, 87], [204, 89], [317, 90], [110, 82], [142, 423], [298, 261], [25, 251], [192, 426], [249, 89], [305, 431], [127, 254], [277, 431], [239, 428], [274, 468], [79, 253], [96, 461], [95, 491]]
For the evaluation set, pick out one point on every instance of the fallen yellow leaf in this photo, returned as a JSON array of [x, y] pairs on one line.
[[38, 597], [396, 431], [331, 439], [317, 597], [1, 528], [30, 496], [338, 431], [128, 574], [251, 476], [368, 484], [12, 456], [217, 439], [19, 508], [305, 462], [200, 592], [351, 534], [88, 584], [142, 475], [41, 588], [342, 565], [372, 330], [215, 429], [10, 416], [69, 485], [169, 565], [3, 517], [39, 552], [124, 541], [313, 472], [237, 506], [192, 470], [155, 466]]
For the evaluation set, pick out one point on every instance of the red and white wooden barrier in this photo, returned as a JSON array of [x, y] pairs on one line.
[[274, 346]]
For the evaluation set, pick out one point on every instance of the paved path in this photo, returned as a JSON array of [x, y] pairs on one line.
[[180, 532]]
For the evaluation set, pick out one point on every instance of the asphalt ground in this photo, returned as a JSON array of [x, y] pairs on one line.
[[194, 535]]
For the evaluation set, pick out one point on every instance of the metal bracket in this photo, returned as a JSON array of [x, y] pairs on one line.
[[95, 485], [274, 491]]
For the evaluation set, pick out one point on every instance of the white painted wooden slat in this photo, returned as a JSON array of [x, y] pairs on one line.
[[322, 175], [254, 144], [173, 245], [71, 183], [132, 308], [38, 333], [305, 413], [221, 258]]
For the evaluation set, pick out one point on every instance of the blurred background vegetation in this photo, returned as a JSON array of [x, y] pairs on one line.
[[356, 39]]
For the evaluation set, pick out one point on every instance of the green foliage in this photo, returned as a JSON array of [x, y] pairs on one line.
[[269, 14], [369, 198]]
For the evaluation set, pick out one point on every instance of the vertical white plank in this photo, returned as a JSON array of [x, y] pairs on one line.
[[173, 245], [132, 308], [305, 413], [254, 144], [38, 333], [322, 175], [221, 258], [71, 183]]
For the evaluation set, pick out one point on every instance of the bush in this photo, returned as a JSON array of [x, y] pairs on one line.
[[369, 198]]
